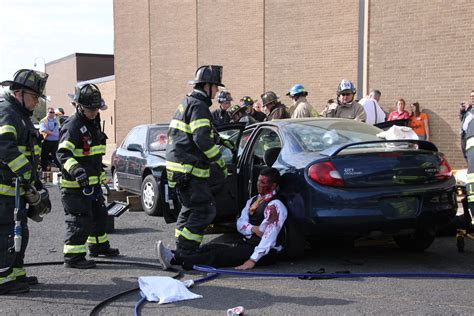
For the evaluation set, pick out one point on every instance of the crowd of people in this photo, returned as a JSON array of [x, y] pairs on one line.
[[345, 105]]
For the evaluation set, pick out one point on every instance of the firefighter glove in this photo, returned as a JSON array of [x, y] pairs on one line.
[[80, 175], [229, 144]]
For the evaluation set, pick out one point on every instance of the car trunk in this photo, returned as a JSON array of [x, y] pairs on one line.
[[403, 167]]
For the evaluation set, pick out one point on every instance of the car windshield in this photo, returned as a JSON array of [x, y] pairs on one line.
[[157, 138], [319, 135]]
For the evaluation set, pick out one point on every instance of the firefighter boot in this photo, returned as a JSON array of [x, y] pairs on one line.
[[14, 287], [109, 252], [81, 264]]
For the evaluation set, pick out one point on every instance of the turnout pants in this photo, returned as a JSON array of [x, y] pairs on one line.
[[11, 263], [86, 218], [470, 179], [198, 210], [221, 255]]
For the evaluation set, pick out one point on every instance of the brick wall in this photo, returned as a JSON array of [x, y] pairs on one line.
[[422, 51], [418, 50], [132, 64], [61, 81]]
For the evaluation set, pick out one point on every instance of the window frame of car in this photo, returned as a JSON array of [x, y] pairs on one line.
[[132, 134]]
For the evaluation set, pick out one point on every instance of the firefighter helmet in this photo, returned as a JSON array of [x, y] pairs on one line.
[[224, 97], [247, 101], [268, 97], [346, 85], [208, 74], [28, 79], [88, 96], [297, 89]]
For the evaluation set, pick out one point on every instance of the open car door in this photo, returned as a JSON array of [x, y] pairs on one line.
[[225, 190]]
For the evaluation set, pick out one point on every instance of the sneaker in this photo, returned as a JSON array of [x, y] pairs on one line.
[[81, 264], [14, 287], [164, 255], [30, 280], [110, 252]]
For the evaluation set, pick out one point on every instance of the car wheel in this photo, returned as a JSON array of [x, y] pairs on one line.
[[150, 196], [115, 182], [419, 241], [292, 240]]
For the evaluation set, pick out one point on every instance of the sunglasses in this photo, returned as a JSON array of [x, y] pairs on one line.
[[51, 112], [346, 94]]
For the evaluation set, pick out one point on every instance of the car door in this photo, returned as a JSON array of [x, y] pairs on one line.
[[225, 190], [136, 159], [120, 161], [261, 151]]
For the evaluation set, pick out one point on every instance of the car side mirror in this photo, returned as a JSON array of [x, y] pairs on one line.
[[135, 147]]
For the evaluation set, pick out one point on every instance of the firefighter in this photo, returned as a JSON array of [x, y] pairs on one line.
[[190, 150], [81, 147], [345, 106], [19, 157]]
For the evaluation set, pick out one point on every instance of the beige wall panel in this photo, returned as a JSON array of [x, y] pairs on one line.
[[422, 51], [132, 64], [230, 33], [173, 55], [61, 81], [314, 43]]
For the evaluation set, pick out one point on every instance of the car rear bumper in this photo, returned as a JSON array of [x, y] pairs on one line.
[[392, 215]]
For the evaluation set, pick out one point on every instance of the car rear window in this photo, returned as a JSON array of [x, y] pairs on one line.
[[319, 135], [157, 138]]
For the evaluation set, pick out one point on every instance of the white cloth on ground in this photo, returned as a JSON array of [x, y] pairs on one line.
[[164, 289]]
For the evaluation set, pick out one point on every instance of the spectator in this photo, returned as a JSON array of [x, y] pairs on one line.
[[399, 113], [49, 128], [465, 115], [301, 107], [419, 122], [238, 114], [373, 111], [273, 107], [249, 103], [60, 116], [221, 116], [259, 224], [346, 106]]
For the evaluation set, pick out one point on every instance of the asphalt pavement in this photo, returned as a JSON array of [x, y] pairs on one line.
[[75, 292]]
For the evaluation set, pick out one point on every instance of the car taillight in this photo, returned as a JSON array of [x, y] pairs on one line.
[[325, 173], [445, 170]]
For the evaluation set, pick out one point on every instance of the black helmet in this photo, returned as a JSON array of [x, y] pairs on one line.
[[236, 108], [268, 97], [88, 96], [247, 101], [208, 74], [28, 79], [224, 96]]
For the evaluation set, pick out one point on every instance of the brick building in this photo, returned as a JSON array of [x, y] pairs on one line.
[[418, 50], [66, 72]]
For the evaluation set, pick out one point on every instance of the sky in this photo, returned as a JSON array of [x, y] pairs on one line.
[[38, 31]]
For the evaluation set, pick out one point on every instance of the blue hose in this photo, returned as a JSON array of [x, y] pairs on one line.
[[433, 275]]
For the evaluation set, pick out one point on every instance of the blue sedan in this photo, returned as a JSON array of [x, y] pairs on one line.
[[341, 179]]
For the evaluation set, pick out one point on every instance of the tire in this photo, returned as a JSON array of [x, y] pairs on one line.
[[115, 182], [292, 240], [150, 196], [418, 242]]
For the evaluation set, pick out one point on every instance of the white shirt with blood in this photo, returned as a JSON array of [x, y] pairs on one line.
[[274, 217]]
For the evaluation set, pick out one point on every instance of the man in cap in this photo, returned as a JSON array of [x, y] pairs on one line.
[[301, 107], [238, 114], [190, 151], [273, 107], [345, 106], [81, 147], [19, 156], [248, 103], [221, 116]]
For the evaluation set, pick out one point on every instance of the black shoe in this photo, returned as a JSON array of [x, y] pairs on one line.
[[110, 252], [14, 287], [82, 264], [30, 280]]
